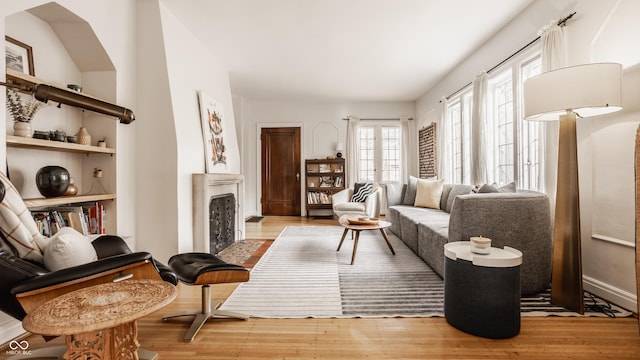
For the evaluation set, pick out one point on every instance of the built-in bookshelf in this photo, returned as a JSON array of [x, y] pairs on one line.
[[28, 148], [324, 177]]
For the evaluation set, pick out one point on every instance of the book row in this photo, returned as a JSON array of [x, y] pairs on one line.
[[87, 219], [318, 198]]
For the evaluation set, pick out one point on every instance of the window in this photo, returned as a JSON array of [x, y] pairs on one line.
[[501, 127], [512, 144], [380, 154], [459, 117]]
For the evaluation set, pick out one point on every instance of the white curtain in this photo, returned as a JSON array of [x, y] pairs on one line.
[[553, 56], [479, 156], [353, 155], [407, 146], [444, 145]]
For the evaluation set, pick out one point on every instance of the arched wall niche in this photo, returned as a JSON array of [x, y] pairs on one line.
[[66, 50]]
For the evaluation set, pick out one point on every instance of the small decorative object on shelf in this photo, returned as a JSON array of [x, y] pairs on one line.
[[97, 188], [72, 190], [83, 136], [22, 112], [102, 143], [52, 181], [75, 87]]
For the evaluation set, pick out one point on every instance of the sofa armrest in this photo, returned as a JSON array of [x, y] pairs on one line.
[[521, 220], [372, 203], [79, 272]]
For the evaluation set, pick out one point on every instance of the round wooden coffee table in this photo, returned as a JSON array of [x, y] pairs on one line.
[[350, 222], [100, 320]]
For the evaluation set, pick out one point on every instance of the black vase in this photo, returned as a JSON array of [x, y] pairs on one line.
[[52, 181]]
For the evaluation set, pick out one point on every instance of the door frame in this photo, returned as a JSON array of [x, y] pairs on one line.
[[259, 127]]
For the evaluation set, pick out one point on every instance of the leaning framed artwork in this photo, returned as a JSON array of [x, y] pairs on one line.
[[19, 56], [211, 116]]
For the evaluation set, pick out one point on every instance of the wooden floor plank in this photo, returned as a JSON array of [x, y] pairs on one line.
[[392, 338]]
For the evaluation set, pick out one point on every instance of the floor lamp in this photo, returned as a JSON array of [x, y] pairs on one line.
[[566, 94]]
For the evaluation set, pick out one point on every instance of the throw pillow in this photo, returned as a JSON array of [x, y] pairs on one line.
[[17, 225], [410, 193], [509, 188], [428, 193], [361, 191], [68, 248], [486, 188]]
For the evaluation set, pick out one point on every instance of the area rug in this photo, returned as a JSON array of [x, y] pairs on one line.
[[302, 275]]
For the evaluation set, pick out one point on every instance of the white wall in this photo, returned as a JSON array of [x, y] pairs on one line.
[[602, 30], [172, 67], [322, 127], [607, 31]]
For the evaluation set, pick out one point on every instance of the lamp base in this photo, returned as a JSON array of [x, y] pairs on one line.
[[566, 276]]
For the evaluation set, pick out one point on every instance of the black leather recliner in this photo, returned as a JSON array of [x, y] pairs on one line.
[[116, 262]]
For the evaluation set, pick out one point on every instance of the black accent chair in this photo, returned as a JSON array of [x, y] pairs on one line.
[[26, 284]]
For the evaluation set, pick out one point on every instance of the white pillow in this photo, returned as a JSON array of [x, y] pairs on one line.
[[68, 248], [428, 193]]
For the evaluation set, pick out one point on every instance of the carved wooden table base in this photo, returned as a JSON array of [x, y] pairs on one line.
[[100, 321]]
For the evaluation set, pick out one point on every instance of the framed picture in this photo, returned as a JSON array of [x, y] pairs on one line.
[[19, 56], [215, 151]]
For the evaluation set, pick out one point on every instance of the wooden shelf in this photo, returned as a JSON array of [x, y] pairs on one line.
[[63, 200], [39, 144], [28, 83]]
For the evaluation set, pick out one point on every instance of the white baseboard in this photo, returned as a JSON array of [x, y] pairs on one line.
[[10, 328], [617, 296]]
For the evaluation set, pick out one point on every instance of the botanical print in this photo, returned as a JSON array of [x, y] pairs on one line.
[[212, 115]]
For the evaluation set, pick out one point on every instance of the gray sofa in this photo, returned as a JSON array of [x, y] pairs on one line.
[[519, 219]]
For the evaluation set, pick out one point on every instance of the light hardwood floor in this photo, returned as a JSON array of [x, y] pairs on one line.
[[394, 338]]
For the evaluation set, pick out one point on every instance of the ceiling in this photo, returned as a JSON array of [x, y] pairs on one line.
[[341, 50]]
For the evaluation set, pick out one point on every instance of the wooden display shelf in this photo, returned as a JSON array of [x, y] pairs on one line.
[[63, 200], [40, 144]]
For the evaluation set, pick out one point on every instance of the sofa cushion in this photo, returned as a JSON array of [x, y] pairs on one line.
[[409, 218], [428, 193], [395, 193], [456, 190], [410, 192], [446, 189]]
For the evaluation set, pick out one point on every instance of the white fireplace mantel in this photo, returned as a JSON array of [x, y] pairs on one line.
[[204, 187]]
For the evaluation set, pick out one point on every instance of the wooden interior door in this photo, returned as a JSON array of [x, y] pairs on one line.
[[281, 171]]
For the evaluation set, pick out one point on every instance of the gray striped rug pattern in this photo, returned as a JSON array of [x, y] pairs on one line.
[[302, 275]]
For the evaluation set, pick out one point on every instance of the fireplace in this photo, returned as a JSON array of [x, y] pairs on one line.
[[222, 222], [208, 223]]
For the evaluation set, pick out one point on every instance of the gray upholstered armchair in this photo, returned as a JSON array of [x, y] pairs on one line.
[[342, 204]]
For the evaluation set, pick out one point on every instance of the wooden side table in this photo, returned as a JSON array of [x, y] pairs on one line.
[[349, 222], [99, 321]]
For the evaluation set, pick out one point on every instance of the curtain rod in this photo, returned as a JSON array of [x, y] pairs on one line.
[[560, 23], [379, 119]]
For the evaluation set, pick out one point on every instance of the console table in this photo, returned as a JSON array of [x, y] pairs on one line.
[[100, 321]]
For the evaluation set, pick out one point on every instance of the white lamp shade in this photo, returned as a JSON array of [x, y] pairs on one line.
[[339, 147], [587, 90]]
